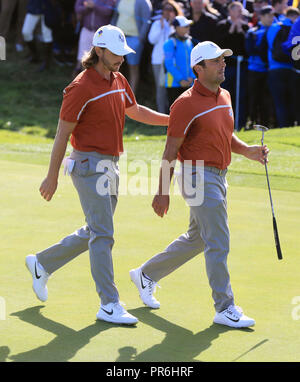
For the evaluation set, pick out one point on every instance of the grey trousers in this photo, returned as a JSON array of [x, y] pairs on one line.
[[209, 232], [96, 178]]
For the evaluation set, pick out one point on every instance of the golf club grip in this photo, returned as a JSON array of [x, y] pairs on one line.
[[277, 243]]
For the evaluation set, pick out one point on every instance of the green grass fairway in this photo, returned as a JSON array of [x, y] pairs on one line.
[[64, 328]]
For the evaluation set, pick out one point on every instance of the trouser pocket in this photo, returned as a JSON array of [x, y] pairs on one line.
[[77, 165]]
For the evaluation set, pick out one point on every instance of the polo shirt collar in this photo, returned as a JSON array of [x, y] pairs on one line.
[[97, 76], [204, 91]]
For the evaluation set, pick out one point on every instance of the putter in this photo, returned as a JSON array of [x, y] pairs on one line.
[[275, 230]]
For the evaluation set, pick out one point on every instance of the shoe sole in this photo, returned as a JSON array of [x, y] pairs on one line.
[[234, 326], [28, 266], [136, 281]]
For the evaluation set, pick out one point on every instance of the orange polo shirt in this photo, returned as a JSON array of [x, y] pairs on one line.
[[98, 108], [205, 120]]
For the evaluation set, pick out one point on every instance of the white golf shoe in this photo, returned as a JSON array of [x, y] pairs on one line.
[[115, 313], [146, 287], [233, 316], [39, 277]]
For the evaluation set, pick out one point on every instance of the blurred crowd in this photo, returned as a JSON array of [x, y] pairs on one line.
[[263, 76]]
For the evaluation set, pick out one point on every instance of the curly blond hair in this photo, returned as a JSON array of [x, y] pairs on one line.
[[89, 59]]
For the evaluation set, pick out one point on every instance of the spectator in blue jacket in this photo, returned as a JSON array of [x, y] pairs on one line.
[[257, 50], [280, 72], [177, 50], [292, 47]]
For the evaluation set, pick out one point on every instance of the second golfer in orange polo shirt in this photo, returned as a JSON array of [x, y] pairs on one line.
[[200, 132]]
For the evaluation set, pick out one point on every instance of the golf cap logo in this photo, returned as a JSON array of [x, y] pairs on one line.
[[100, 32], [121, 38]]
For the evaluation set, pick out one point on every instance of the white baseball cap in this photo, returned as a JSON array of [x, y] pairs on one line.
[[206, 51], [181, 21], [113, 39]]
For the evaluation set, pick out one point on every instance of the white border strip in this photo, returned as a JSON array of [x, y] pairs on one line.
[[129, 99], [98, 97], [205, 112]]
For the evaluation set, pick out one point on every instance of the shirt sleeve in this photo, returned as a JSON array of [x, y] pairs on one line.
[[180, 119], [75, 98]]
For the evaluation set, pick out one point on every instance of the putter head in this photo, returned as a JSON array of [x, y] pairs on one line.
[[260, 128]]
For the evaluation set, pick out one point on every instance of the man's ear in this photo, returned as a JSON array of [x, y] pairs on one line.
[[198, 69], [98, 51]]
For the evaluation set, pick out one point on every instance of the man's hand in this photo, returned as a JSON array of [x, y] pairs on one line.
[[160, 204], [49, 184], [258, 153], [254, 152], [161, 200], [48, 188]]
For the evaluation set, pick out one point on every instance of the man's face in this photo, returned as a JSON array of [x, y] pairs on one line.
[[214, 70], [236, 12], [197, 5], [281, 7], [267, 20], [168, 12], [110, 60], [182, 31], [293, 18]]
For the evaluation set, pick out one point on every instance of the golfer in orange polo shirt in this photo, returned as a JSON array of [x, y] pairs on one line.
[[200, 136], [93, 114]]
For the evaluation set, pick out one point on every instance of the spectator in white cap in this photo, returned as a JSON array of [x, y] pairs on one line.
[[200, 135], [93, 114], [182, 22], [177, 49]]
